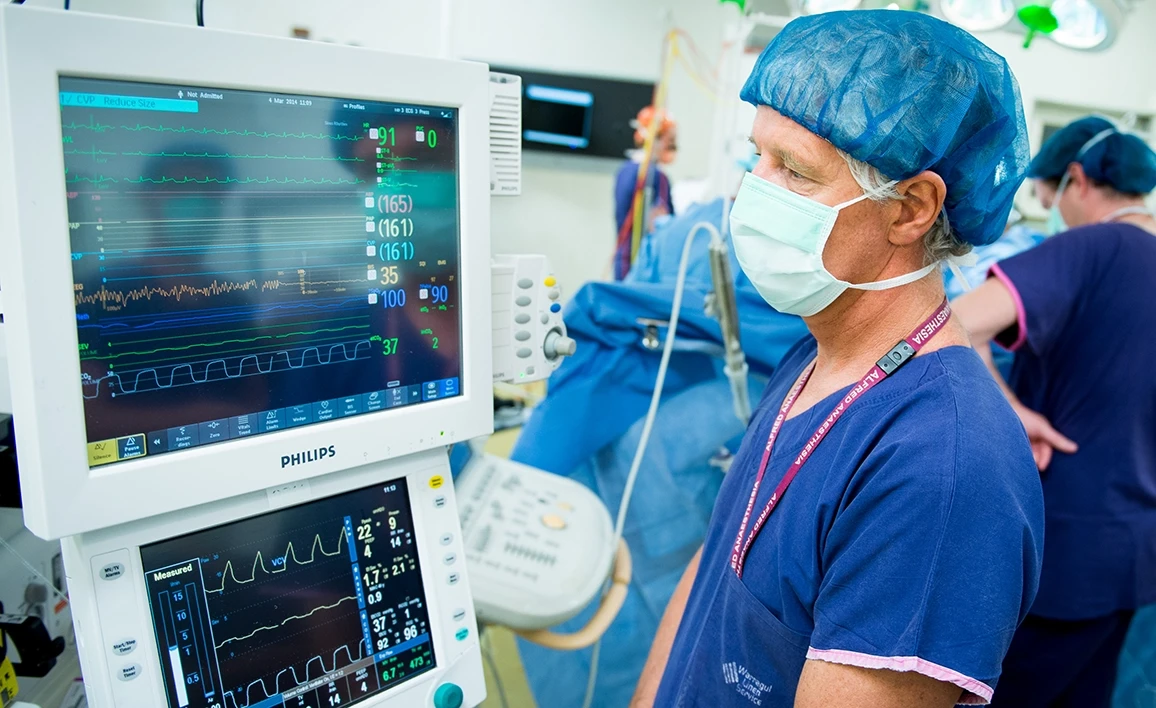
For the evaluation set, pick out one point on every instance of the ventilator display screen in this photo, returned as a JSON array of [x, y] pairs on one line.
[[314, 606], [246, 262]]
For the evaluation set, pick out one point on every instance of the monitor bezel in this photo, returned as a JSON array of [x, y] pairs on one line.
[[84, 555], [62, 495]]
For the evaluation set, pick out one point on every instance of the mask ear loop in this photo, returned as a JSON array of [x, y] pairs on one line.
[[829, 225]]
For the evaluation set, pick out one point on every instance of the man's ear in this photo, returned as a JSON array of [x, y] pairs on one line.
[[1078, 180], [923, 197]]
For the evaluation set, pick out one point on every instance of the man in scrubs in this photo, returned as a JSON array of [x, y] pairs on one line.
[[879, 535], [1078, 312]]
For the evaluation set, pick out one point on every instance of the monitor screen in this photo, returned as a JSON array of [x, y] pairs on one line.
[[557, 116], [316, 605], [250, 262]]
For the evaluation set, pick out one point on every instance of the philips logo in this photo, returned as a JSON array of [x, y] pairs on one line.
[[308, 456]]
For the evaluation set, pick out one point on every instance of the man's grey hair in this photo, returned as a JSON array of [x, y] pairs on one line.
[[939, 242]]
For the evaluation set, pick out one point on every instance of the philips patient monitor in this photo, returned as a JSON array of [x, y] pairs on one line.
[[247, 294]]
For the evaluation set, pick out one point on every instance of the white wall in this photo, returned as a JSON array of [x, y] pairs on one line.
[[566, 209], [402, 26], [1122, 77]]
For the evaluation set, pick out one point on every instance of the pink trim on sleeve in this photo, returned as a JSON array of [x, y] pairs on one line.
[[976, 693], [1021, 315]]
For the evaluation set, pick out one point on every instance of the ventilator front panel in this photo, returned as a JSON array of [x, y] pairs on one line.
[[318, 605]]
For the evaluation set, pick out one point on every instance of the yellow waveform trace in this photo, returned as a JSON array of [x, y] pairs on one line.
[[113, 300], [259, 561], [287, 620]]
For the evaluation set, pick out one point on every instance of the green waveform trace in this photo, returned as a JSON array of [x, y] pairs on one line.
[[94, 152], [92, 125], [138, 153], [243, 133], [98, 179], [266, 337]]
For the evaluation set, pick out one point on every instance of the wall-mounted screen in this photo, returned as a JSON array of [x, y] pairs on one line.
[[580, 115]]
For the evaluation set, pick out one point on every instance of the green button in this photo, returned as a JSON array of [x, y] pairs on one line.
[[448, 695], [462, 634]]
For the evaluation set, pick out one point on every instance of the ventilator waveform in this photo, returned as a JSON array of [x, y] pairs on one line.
[[242, 133], [231, 700], [121, 298], [98, 179], [228, 155], [285, 621], [290, 552], [254, 359]]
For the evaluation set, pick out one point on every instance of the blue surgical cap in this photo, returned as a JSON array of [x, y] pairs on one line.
[[1119, 159], [905, 92]]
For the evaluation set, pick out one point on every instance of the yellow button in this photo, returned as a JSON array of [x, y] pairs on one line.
[[550, 282], [565, 506], [553, 521], [436, 481], [101, 453]]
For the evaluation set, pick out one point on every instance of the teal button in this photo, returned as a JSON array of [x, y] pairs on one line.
[[462, 634], [449, 695]]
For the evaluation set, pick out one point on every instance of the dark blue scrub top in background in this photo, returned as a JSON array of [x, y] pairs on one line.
[[911, 539], [625, 182], [1086, 359]]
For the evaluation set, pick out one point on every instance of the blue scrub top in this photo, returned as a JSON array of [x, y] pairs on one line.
[[911, 539], [625, 182], [1086, 359]]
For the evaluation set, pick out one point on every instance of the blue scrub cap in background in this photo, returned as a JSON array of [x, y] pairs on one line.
[[905, 92], [1119, 159]]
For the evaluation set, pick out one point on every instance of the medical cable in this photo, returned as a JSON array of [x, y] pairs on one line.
[[200, 13], [648, 424], [32, 569]]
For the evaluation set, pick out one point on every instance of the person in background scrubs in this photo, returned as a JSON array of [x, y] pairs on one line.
[[663, 152], [879, 535], [1080, 312]]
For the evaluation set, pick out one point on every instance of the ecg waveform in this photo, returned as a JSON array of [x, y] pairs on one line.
[[228, 155], [255, 359], [285, 621], [98, 127], [290, 552], [100, 179]]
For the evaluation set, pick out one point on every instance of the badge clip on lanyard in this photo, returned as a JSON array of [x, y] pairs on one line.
[[899, 355]]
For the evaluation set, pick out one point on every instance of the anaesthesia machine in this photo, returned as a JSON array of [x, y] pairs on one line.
[[248, 305]]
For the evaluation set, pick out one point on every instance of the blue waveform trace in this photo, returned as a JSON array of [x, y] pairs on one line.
[[87, 381], [249, 314]]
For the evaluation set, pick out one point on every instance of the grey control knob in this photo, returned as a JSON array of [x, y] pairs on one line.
[[558, 344]]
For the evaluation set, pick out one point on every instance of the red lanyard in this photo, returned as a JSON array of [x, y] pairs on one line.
[[899, 355]]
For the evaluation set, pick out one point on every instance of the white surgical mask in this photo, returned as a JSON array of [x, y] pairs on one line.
[[779, 238], [1056, 222]]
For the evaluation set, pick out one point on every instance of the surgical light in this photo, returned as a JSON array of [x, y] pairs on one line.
[[1082, 24], [978, 15], [814, 7]]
